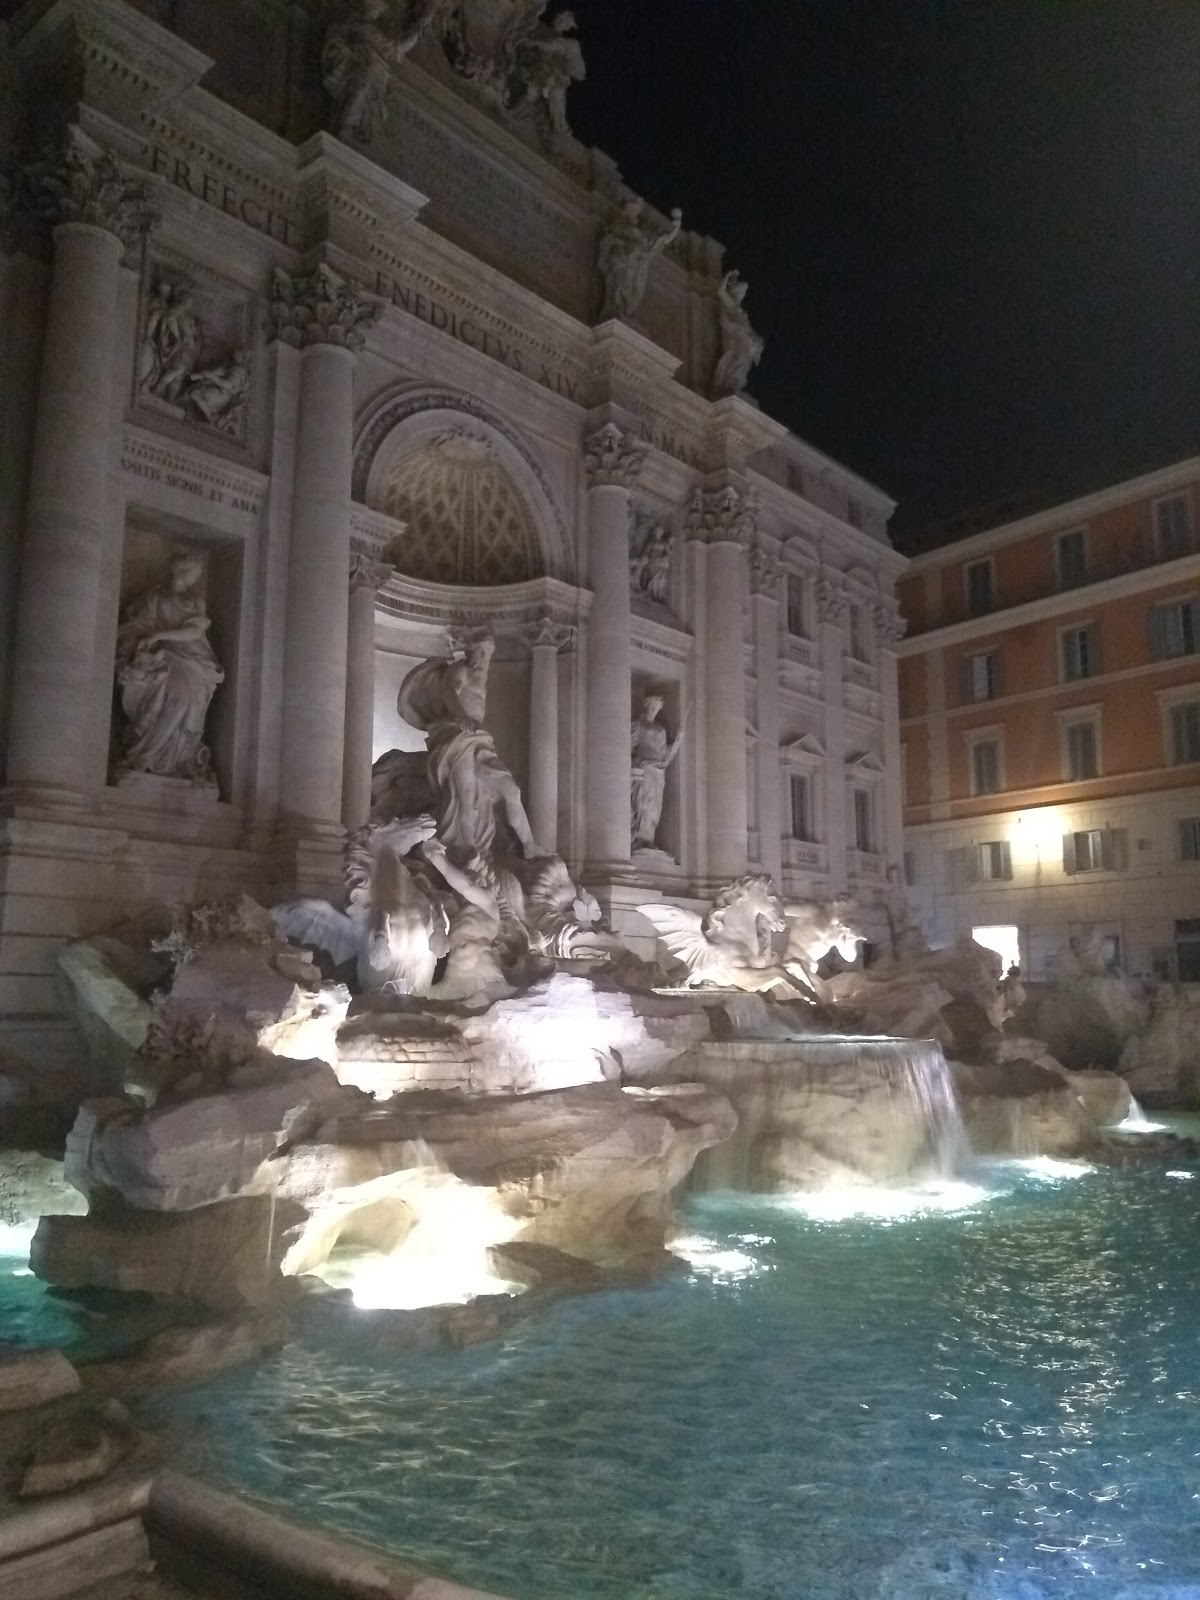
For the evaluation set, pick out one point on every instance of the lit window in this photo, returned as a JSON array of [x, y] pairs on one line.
[[1081, 754], [801, 806], [797, 606], [1080, 653], [980, 593], [980, 677], [1174, 629], [1189, 838], [985, 766], [1070, 559], [1172, 527], [864, 830], [995, 860], [1185, 733], [1093, 850]]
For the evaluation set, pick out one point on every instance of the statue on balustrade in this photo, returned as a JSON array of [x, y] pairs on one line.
[[627, 247], [652, 752], [543, 61], [358, 57], [168, 673], [741, 347]]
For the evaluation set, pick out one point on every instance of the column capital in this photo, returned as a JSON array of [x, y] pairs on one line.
[[366, 572], [832, 601], [547, 634], [890, 627], [612, 457], [721, 516], [321, 307], [81, 183], [766, 569]]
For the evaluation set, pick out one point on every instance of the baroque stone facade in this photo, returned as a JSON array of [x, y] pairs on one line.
[[334, 315]]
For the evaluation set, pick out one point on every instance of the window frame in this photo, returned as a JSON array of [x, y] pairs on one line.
[[1088, 659], [1186, 610], [797, 583], [992, 675], [1185, 826], [1079, 717], [1063, 580], [865, 793], [1181, 497], [988, 564], [975, 738]]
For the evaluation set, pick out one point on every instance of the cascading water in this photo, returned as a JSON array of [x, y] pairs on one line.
[[820, 1112]]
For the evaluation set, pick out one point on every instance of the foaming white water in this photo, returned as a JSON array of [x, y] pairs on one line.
[[1135, 1120], [1051, 1170], [719, 1262], [886, 1204]]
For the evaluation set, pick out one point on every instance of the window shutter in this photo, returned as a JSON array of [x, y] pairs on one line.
[[1093, 651], [997, 673], [1069, 852], [1005, 860], [966, 684], [1156, 620]]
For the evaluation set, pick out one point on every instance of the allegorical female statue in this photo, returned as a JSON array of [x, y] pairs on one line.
[[168, 674], [626, 249], [652, 752]]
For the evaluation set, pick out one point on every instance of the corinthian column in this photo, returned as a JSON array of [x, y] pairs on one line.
[[765, 572], [889, 630], [367, 577], [545, 639], [613, 462], [722, 521], [326, 316], [832, 605], [97, 215]]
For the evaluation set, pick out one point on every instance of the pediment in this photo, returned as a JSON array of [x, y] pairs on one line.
[[806, 744], [865, 761]]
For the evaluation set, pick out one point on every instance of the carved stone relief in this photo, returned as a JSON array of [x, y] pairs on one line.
[[82, 183], [612, 457], [651, 548], [193, 358], [719, 516], [321, 307]]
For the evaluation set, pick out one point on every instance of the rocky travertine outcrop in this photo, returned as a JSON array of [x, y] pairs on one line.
[[953, 996], [1084, 1018], [1023, 1107], [1162, 1065]]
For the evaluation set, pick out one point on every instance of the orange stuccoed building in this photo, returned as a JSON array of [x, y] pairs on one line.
[[1050, 728]]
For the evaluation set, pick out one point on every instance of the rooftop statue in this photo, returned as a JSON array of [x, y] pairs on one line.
[[472, 788], [359, 55], [652, 753], [626, 249], [168, 674], [543, 60], [741, 347]]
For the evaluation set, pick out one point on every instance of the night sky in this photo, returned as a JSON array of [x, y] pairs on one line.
[[971, 228]]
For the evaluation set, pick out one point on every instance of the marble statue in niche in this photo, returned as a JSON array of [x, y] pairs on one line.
[[741, 347], [185, 363], [627, 247], [472, 788], [650, 565], [359, 55], [652, 751], [168, 673]]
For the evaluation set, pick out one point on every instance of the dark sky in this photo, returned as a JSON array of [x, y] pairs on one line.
[[971, 228]]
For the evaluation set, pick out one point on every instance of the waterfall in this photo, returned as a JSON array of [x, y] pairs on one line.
[[821, 1112], [1135, 1120]]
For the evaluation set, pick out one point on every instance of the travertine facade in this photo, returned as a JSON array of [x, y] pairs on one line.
[[318, 304], [1050, 702]]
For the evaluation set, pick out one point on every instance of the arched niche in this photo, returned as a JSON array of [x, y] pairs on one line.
[[480, 508]]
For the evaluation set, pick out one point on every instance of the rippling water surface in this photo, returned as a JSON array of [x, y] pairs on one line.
[[993, 1401]]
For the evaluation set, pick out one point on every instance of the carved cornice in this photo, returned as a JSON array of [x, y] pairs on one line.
[[548, 634], [721, 516], [610, 456], [832, 601], [766, 569], [367, 573], [890, 626], [82, 183], [321, 307]]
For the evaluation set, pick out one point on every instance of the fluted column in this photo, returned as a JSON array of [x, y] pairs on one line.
[[98, 215], [765, 572], [723, 521], [326, 316], [832, 603], [367, 577], [545, 639], [613, 462], [889, 630]]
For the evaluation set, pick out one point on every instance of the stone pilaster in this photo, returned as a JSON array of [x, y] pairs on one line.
[[545, 639], [832, 604], [367, 577], [613, 462], [889, 630], [765, 578], [95, 214], [722, 521], [327, 317]]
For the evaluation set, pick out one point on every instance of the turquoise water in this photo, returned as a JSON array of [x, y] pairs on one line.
[[996, 1403]]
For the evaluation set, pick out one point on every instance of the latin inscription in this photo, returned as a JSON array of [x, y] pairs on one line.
[[170, 478], [215, 192]]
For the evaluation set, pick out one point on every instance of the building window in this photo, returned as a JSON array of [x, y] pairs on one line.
[[981, 596], [1079, 652], [910, 868], [985, 766], [1172, 527], [1094, 850], [1185, 732], [1070, 559], [1187, 949], [864, 822], [980, 677], [800, 794], [1174, 629], [995, 860], [858, 631], [797, 606], [1081, 750], [1189, 838]]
